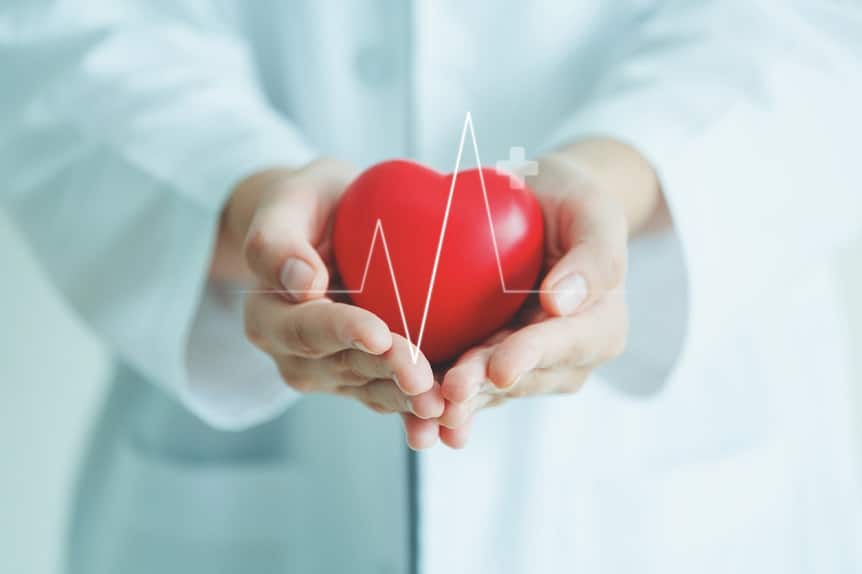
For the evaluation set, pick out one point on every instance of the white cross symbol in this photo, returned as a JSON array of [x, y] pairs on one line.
[[517, 166]]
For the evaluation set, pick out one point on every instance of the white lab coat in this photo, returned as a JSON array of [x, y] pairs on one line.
[[717, 443]]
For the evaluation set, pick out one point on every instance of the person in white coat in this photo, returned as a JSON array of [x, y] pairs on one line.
[[694, 171]]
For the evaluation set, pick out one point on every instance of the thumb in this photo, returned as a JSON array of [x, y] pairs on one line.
[[594, 243], [289, 223]]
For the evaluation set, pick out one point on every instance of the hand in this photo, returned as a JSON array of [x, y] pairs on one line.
[[282, 220], [579, 320]]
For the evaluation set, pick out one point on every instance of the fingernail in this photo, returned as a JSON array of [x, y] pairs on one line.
[[361, 347], [296, 276], [569, 293]]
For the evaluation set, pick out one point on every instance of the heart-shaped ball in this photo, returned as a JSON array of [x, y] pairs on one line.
[[403, 213]]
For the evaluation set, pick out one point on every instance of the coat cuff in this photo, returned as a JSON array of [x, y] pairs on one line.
[[217, 374], [221, 377], [230, 384]]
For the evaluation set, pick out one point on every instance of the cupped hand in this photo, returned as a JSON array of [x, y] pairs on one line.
[[577, 321], [282, 219]]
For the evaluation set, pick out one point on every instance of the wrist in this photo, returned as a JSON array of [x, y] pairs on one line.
[[621, 171]]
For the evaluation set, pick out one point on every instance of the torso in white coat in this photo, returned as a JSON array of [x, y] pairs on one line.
[[718, 443]]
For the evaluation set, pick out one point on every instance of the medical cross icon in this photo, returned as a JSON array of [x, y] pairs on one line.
[[517, 166]]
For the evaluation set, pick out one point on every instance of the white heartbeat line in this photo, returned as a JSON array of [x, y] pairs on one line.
[[379, 232]]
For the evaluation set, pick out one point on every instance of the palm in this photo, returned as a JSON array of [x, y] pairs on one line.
[[576, 318]]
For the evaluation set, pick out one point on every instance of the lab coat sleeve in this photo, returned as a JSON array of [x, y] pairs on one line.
[[122, 131], [749, 113]]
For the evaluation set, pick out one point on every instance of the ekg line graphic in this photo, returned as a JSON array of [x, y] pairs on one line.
[[379, 232]]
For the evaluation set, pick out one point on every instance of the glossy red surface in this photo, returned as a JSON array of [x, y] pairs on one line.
[[468, 302]]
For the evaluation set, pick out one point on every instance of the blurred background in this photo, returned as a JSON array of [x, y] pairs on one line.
[[52, 375]]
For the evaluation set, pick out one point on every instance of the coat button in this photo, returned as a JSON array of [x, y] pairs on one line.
[[375, 65]]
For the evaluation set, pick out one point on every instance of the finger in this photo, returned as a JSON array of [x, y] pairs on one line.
[[428, 405], [581, 340], [355, 368], [397, 363], [421, 434], [303, 375], [280, 246], [543, 382], [465, 377], [463, 381], [593, 234], [413, 377], [313, 329], [384, 396], [381, 395], [456, 415], [456, 438]]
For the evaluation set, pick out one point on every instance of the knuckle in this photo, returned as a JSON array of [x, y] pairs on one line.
[[343, 363], [398, 354], [360, 322], [340, 328], [266, 248], [255, 247], [502, 371], [299, 340]]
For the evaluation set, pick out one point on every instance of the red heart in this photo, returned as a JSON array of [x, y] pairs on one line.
[[468, 302]]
